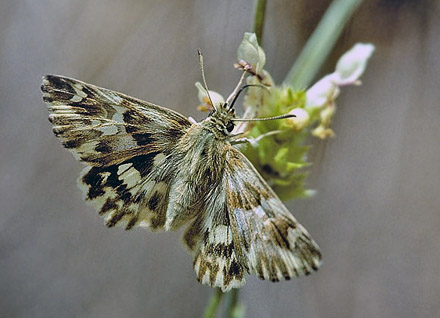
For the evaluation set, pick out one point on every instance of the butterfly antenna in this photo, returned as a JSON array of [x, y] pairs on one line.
[[203, 76], [267, 118], [242, 89]]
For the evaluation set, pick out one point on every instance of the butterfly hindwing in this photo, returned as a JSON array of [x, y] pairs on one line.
[[210, 239], [130, 193], [246, 228], [273, 244]]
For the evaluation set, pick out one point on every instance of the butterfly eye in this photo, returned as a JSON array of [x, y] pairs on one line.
[[230, 126]]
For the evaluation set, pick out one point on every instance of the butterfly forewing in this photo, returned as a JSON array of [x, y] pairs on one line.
[[102, 127], [126, 142]]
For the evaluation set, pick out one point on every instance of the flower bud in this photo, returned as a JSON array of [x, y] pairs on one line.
[[300, 121], [323, 132], [352, 64], [217, 99], [326, 115], [324, 91], [349, 68], [251, 52]]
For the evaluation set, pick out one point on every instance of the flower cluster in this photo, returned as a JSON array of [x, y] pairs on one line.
[[282, 156]]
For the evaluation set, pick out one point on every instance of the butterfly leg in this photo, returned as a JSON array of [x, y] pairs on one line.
[[253, 141]]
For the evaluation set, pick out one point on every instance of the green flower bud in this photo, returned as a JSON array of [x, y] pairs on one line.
[[251, 52]]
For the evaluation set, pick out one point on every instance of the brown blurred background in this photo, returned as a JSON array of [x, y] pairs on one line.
[[377, 212]]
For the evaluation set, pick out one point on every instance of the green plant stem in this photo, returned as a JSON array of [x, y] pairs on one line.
[[258, 25], [213, 305], [234, 309], [320, 44]]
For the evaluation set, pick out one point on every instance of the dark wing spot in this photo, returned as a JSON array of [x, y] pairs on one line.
[[281, 233], [47, 99], [134, 118], [103, 147], [220, 250], [154, 201], [60, 83], [88, 91], [126, 197], [235, 268], [173, 133], [115, 218], [94, 180], [72, 143], [132, 222], [142, 139], [157, 221], [144, 163], [60, 96], [108, 206]]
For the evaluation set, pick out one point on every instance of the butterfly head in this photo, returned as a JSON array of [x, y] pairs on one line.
[[220, 120]]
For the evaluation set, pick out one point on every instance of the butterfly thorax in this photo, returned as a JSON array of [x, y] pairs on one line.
[[219, 121], [202, 165]]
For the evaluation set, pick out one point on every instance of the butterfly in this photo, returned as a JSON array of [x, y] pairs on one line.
[[150, 166]]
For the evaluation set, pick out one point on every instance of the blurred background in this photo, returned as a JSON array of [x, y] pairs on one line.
[[377, 212]]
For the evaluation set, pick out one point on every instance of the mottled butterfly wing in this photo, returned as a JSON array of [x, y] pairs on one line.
[[146, 168], [246, 228], [127, 143], [210, 238], [273, 244], [103, 127]]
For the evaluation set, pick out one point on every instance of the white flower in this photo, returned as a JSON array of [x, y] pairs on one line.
[[323, 92], [216, 98], [348, 70], [352, 64]]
